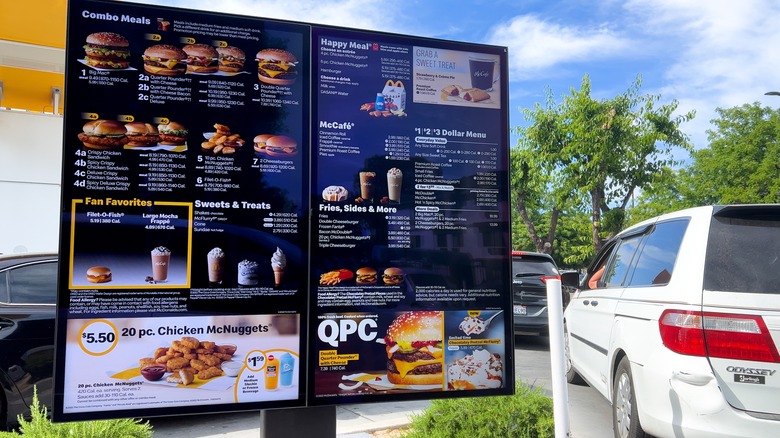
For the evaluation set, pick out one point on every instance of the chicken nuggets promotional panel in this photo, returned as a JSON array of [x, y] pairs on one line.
[[149, 363], [362, 356]]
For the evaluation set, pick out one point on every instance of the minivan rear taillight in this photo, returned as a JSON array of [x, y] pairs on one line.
[[723, 335]]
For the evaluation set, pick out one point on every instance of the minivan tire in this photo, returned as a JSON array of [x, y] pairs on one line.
[[625, 420]]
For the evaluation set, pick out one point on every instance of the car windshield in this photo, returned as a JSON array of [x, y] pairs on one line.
[[743, 255], [530, 267]]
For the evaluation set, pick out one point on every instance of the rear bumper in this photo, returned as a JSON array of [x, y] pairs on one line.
[[534, 323], [687, 401]]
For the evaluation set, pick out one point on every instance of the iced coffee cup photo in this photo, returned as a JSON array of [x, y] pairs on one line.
[[161, 260], [394, 180], [367, 185], [216, 264]]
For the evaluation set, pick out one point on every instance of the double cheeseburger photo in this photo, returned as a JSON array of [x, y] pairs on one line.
[[414, 349], [107, 50], [276, 67]]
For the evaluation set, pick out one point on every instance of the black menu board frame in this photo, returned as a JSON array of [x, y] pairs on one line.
[[211, 259]]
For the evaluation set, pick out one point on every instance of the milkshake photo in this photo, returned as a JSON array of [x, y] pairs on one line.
[[161, 259], [216, 259], [394, 180]]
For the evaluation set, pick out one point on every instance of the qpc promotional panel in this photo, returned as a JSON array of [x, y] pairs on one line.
[[184, 248], [410, 228]]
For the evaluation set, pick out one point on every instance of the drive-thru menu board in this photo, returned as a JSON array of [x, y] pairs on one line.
[[260, 213]]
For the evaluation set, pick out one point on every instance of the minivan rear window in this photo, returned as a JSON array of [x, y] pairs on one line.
[[743, 254]]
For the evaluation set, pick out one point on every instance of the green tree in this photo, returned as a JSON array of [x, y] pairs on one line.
[[593, 153], [742, 162], [670, 190]]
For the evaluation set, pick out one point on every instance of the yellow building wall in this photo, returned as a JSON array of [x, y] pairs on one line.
[[37, 23]]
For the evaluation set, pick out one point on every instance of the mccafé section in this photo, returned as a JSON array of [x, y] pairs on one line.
[[261, 214]]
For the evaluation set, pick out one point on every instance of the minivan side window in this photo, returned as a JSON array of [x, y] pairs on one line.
[[655, 263], [621, 262]]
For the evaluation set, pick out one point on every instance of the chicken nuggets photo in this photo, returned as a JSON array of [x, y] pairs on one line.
[[189, 361]]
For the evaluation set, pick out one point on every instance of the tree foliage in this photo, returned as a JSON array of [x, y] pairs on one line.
[[742, 163], [593, 154]]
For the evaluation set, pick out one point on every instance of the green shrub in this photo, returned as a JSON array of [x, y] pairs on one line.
[[39, 426], [527, 414]]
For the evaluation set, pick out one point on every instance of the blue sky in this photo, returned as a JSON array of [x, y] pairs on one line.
[[704, 53]]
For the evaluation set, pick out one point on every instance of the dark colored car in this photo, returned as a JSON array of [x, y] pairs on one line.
[[28, 291], [530, 272]]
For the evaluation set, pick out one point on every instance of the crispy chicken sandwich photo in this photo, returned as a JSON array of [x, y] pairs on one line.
[[231, 59], [165, 60], [141, 134], [276, 66], [107, 50], [103, 134], [414, 349], [172, 133], [201, 58]]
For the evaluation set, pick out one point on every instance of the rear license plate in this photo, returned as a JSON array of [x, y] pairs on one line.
[[520, 310]]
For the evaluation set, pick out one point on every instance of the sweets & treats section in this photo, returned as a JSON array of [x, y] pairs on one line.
[[264, 214]]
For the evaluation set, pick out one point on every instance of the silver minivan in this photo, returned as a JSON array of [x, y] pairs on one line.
[[677, 324]]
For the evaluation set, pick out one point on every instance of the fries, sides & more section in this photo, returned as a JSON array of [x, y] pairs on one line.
[[263, 214]]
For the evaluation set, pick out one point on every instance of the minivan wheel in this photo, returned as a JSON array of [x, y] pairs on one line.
[[625, 420], [571, 375]]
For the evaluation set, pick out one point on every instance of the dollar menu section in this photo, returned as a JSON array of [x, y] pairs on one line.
[[187, 241], [410, 225], [183, 286]]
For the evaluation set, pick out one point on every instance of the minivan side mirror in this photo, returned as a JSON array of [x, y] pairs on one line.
[[571, 279]]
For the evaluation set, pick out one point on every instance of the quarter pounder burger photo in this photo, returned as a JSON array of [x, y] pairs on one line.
[[276, 66], [103, 134], [107, 50], [231, 59], [201, 58], [165, 60], [414, 349]]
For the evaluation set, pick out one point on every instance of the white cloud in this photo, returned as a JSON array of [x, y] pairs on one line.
[[536, 45], [725, 52]]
